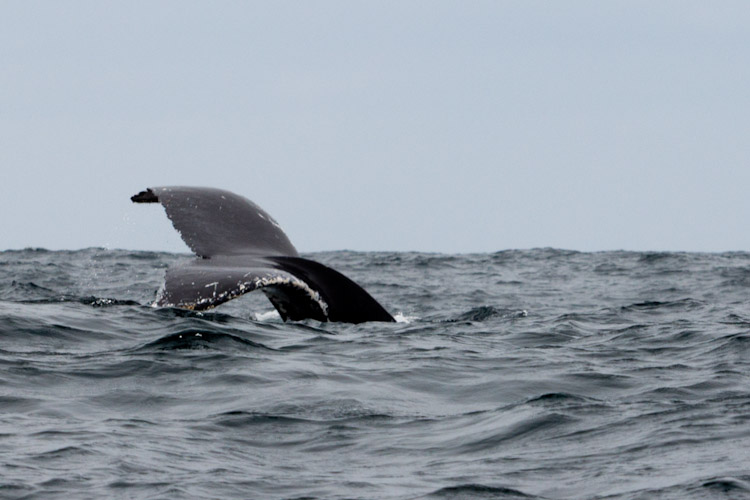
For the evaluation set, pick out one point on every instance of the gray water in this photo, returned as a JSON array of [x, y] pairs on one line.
[[519, 374]]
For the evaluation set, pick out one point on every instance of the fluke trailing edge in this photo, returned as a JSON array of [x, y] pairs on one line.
[[242, 249]]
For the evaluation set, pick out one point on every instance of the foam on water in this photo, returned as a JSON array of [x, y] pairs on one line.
[[272, 315], [403, 318]]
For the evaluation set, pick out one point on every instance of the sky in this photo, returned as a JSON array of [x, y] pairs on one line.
[[438, 126]]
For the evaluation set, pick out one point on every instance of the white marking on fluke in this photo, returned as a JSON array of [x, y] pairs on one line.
[[215, 284], [295, 282]]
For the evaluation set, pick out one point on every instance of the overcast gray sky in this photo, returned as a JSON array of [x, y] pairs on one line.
[[441, 126]]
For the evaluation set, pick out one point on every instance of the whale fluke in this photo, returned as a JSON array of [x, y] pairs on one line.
[[242, 249], [215, 222]]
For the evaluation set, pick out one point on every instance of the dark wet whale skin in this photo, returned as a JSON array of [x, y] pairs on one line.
[[242, 249]]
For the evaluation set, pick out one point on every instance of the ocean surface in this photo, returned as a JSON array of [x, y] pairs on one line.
[[522, 374]]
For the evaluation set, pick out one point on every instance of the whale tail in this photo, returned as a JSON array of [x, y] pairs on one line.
[[242, 249]]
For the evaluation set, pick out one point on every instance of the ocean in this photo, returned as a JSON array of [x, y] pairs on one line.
[[521, 374]]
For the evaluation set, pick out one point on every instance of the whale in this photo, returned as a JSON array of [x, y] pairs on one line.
[[240, 248]]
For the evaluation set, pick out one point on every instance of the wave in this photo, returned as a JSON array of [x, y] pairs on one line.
[[533, 427], [477, 491], [23, 291], [685, 304], [201, 339], [32, 293], [557, 398], [727, 485], [712, 487], [484, 313]]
